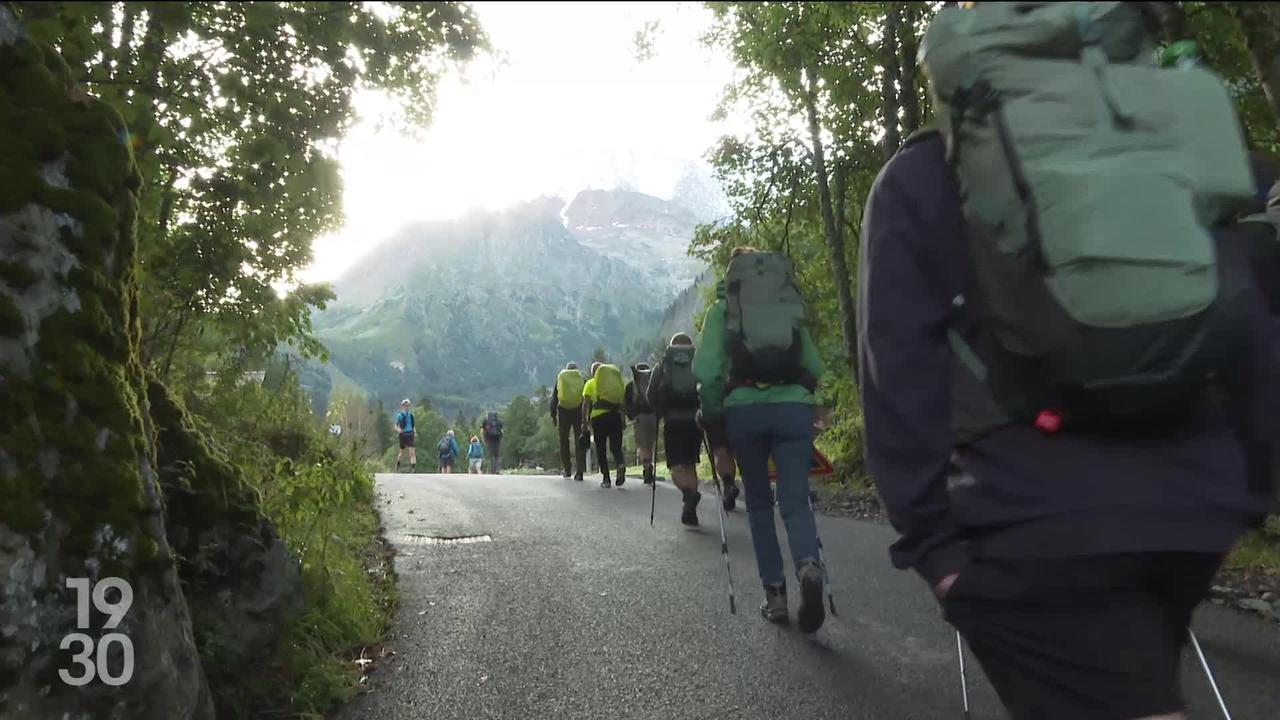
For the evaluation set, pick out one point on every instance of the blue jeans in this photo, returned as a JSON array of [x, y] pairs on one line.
[[785, 431]]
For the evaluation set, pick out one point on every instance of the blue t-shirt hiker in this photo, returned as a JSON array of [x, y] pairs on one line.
[[406, 431]]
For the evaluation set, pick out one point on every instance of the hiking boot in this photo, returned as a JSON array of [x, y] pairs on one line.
[[413, 469], [812, 612], [578, 477], [730, 495], [567, 474], [622, 477], [648, 475], [605, 482], [774, 607], [690, 515]]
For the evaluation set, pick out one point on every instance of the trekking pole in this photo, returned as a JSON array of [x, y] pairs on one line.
[[831, 601], [964, 686], [724, 545], [1209, 674], [653, 499]]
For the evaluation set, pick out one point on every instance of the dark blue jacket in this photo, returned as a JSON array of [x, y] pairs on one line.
[[1016, 491]]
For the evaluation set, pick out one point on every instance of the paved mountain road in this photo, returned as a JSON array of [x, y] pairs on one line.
[[576, 608]]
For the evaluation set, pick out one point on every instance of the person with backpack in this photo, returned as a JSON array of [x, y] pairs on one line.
[[1061, 365], [405, 432], [673, 395], [447, 449], [475, 455], [636, 405], [758, 369], [491, 429], [602, 399], [566, 413]]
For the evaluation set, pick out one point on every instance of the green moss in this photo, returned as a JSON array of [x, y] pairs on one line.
[[84, 379], [11, 322]]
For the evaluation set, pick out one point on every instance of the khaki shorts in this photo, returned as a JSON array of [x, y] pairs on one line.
[[646, 431]]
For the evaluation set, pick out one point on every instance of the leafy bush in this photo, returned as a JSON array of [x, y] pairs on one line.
[[319, 491]]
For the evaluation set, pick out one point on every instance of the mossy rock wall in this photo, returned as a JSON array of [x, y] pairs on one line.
[[241, 583], [80, 496]]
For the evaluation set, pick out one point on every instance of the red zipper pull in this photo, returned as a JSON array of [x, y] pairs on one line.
[[1049, 421]]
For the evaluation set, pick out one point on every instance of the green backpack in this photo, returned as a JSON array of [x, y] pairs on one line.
[[610, 389], [763, 315], [1089, 178]]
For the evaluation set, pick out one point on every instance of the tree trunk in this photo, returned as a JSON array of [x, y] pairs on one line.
[[1260, 22], [910, 43], [889, 82], [830, 229], [81, 501]]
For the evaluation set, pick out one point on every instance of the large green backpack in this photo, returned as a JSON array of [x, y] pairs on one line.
[[763, 315], [610, 389], [1089, 178]]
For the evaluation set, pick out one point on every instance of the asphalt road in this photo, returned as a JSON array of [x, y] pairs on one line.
[[577, 608]]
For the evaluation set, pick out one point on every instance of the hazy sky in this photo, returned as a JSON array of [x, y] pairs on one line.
[[565, 106]]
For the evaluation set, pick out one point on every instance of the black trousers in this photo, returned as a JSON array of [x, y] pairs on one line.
[[1097, 637], [608, 428], [568, 422]]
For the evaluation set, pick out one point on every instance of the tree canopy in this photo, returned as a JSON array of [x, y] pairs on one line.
[[234, 112]]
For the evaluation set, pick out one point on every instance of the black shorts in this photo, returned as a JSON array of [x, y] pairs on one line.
[[406, 440], [1096, 637], [683, 441]]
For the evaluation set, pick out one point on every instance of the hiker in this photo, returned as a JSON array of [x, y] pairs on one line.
[[673, 395], [566, 413], [602, 399], [636, 405], [447, 449], [405, 432], [758, 369], [475, 455], [491, 429], [1067, 532]]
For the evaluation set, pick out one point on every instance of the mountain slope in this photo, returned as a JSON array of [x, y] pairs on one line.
[[473, 311]]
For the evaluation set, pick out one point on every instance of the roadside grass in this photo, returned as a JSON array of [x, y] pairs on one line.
[[349, 595], [1259, 551]]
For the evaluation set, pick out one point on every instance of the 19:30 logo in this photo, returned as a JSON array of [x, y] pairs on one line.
[[90, 658]]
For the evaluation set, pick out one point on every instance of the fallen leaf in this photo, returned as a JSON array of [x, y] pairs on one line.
[[424, 612]]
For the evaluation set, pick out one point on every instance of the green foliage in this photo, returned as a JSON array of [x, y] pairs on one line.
[[1221, 31], [318, 491], [233, 111]]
